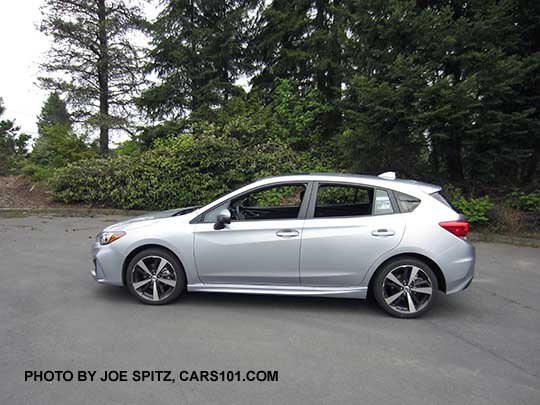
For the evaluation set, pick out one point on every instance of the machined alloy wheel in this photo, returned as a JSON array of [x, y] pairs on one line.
[[406, 288], [155, 277]]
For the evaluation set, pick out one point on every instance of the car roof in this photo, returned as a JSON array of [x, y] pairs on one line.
[[402, 185]]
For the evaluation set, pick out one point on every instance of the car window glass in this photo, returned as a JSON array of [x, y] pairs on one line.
[[277, 202], [211, 216], [383, 205], [406, 202], [343, 200], [440, 198]]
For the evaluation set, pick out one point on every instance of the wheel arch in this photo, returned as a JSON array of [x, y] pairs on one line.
[[441, 281], [139, 249]]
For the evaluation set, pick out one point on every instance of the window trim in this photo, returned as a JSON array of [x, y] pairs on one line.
[[308, 184], [394, 205], [315, 193]]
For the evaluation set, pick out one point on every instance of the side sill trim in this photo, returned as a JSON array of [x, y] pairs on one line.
[[337, 292]]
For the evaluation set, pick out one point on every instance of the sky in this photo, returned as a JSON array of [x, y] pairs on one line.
[[22, 48]]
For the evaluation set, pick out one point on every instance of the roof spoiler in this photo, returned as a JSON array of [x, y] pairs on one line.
[[388, 175]]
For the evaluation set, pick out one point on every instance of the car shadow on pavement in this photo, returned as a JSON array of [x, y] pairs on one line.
[[444, 307], [278, 302], [119, 295]]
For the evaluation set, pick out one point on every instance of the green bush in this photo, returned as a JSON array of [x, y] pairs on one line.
[[180, 171], [475, 209], [36, 172], [524, 202]]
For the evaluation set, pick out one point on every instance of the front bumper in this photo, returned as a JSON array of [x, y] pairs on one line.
[[108, 263]]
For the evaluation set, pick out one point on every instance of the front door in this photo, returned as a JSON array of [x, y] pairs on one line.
[[261, 245]]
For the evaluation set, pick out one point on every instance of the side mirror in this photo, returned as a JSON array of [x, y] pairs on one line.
[[224, 217]]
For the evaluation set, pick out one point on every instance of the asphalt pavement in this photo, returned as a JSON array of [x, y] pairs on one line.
[[481, 346]]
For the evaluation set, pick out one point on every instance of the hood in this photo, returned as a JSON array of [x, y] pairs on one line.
[[151, 216]]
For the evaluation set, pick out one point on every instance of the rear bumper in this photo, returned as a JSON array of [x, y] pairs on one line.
[[457, 265]]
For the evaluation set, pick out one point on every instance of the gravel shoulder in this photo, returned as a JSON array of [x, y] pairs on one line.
[[21, 192]]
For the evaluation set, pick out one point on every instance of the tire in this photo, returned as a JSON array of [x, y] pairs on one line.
[[155, 277], [410, 299]]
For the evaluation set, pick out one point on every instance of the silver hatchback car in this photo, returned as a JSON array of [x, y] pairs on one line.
[[325, 235]]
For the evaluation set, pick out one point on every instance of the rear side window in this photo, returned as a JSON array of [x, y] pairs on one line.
[[407, 203], [337, 200]]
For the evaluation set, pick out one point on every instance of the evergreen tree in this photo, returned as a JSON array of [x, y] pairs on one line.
[[198, 54], [302, 41], [53, 112], [56, 144], [12, 144], [441, 84], [93, 60]]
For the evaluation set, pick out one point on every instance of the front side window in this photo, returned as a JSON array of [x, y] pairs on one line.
[[336, 200], [276, 202], [211, 216]]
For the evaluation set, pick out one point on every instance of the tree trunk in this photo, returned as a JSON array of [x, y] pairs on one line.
[[532, 167], [454, 164], [194, 102], [103, 78], [329, 80]]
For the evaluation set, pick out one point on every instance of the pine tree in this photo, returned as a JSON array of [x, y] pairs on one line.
[[56, 144], [12, 144], [302, 41], [198, 54], [54, 112], [442, 85], [93, 60]]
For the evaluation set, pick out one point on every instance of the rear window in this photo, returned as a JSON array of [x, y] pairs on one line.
[[440, 198], [407, 203]]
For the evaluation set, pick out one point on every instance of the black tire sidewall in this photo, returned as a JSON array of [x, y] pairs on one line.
[[379, 280], [178, 268]]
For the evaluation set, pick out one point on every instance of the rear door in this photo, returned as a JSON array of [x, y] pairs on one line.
[[346, 229]]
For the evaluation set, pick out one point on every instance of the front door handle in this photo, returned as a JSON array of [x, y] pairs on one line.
[[383, 232], [287, 233]]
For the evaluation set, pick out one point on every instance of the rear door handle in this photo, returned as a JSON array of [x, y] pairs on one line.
[[383, 232], [287, 233]]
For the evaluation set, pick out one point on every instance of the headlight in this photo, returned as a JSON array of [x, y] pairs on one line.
[[104, 238]]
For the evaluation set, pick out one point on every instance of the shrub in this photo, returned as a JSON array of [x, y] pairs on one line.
[[36, 172], [509, 220], [475, 209], [57, 146], [176, 172], [525, 202]]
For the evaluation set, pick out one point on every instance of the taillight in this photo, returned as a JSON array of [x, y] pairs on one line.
[[458, 228]]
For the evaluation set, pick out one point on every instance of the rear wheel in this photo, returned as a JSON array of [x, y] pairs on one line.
[[155, 277], [405, 288]]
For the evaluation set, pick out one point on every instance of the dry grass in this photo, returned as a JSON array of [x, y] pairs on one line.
[[509, 220]]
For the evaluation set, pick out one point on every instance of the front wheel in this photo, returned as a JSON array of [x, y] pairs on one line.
[[405, 288], [155, 277]]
